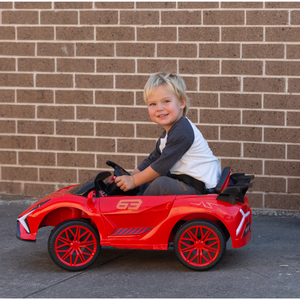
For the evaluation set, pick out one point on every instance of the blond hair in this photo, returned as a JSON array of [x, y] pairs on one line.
[[172, 83]]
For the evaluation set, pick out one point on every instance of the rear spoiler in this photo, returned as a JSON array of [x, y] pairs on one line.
[[238, 186]]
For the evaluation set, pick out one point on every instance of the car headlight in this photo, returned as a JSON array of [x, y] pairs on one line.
[[23, 219]]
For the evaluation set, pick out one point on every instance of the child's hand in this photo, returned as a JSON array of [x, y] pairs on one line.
[[125, 182]]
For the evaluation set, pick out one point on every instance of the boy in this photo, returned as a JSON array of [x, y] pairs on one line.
[[182, 162]]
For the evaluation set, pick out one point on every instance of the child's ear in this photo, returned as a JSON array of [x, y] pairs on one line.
[[183, 103]]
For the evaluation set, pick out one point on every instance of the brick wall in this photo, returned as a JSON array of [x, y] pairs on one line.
[[72, 76]]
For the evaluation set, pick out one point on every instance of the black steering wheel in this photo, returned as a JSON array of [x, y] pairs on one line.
[[113, 189]]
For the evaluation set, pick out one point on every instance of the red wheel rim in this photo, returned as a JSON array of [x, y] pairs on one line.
[[199, 246], [75, 246]]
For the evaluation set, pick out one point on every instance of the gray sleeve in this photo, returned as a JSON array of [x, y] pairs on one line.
[[180, 138], [151, 158]]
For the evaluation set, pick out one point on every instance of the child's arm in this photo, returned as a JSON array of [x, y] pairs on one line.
[[137, 178], [135, 171]]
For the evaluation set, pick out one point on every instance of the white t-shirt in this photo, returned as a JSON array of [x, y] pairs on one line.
[[183, 150]]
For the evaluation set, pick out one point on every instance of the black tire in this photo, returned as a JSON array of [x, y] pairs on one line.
[[199, 245], [74, 245]]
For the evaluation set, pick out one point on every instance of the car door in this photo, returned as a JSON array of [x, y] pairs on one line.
[[134, 215]]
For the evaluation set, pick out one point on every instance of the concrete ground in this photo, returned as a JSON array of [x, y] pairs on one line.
[[268, 267]]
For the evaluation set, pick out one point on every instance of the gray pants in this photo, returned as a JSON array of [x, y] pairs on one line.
[[164, 185]]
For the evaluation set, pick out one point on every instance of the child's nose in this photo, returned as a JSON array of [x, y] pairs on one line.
[[159, 107]]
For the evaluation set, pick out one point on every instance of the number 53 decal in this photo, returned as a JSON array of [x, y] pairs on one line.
[[129, 204]]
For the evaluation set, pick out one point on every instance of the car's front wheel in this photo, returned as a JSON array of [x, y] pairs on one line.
[[199, 245], [74, 245]]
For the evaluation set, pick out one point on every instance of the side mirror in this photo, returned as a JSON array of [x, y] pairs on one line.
[[91, 196]]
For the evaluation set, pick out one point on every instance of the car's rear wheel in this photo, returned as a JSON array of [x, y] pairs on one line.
[[199, 245], [74, 245]]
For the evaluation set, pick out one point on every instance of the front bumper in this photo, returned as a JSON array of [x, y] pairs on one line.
[[23, 235], [24, 232]]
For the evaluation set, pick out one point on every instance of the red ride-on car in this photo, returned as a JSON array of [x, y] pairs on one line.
[[94, 214]]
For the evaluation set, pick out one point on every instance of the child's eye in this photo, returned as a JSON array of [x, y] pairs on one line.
[[151, 104]]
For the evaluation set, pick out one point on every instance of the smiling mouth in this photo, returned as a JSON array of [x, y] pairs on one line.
[[162, 116]]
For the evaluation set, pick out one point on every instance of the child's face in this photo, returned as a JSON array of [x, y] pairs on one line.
[[164, 107]]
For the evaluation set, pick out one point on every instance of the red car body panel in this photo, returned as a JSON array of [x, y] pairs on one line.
[[156, 214]]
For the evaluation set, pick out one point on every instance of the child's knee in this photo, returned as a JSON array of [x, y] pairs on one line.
[[158, 186]]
